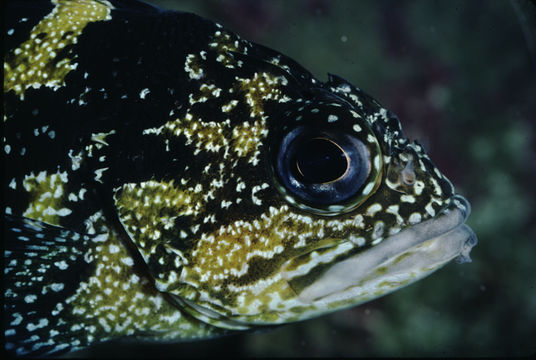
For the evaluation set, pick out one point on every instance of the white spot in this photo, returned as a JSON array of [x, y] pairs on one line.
[[240, 186], [356, 128], [368, 188], [98, 174], [81, 193], [10, 31], [64, 212], [332, 118], [127, 261], [430, 209], [30, 298], [377, 162], [373, 209], [57, 287], [17, 321], [378, 230], [62, 265], [7, 148], [105, 325], [358, 240], [407, 198], [415, 218], [419, 186], [377, 241], [32, 327], [144, 93], [100, 238]]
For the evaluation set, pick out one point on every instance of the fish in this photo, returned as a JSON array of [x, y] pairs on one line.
[[167, 180]]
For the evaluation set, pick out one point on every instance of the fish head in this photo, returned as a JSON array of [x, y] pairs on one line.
[[160, 161], [299, 197]]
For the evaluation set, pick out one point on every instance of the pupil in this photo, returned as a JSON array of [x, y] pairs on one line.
[[320, 160]]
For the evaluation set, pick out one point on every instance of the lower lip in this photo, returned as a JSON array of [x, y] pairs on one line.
[[427, 247]]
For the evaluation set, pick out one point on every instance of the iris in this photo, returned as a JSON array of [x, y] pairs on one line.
[[321, 168]]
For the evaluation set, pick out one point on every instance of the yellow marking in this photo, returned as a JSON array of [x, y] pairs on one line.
[[229, 106], [150, 208], [224, 43], [212, 136], [192, 67], [205, 93], [117, 301], [46, 196], [101, 137], [260, 89], [245, 259], [36, 62], [248, 137], [208, 136]]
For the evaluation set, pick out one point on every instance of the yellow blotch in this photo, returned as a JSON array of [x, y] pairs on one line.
[[238, 266], [227, 252], [207, 136], [225, 43], [261, 88], [149, 209], [247, 137], [212, 136], [35, 62], [46, 197], [116, 300], [205, 93], [192, 67]]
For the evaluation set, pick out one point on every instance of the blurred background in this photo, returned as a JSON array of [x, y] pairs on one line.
[[461, 76]]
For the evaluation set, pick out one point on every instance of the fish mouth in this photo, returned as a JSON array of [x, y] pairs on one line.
[[398, 260]]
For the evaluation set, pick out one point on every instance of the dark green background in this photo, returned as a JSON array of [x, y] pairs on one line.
[[461, 76]]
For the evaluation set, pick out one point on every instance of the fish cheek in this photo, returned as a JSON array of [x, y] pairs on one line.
[[155, 215]]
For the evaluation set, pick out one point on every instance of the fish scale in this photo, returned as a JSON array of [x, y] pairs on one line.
[[155, 156]]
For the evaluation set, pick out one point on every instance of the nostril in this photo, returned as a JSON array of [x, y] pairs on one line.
[[408, 174]]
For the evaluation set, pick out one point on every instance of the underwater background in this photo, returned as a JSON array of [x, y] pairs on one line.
[[461, 76]]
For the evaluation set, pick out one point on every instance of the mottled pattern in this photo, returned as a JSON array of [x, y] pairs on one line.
[[44, 59], [143, 195]]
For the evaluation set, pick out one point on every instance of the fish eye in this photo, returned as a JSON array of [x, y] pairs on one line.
[[320, 160], [323, 171]]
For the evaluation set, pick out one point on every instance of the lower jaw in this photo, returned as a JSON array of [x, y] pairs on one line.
[[398, 260]]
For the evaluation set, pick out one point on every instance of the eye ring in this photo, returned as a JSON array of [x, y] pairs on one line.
[[323, 187]]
